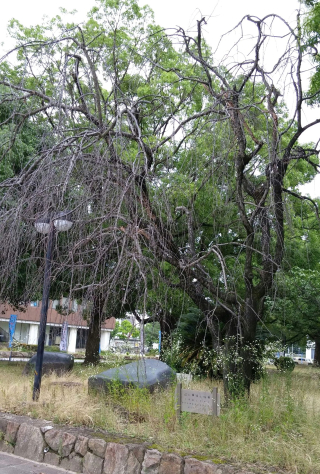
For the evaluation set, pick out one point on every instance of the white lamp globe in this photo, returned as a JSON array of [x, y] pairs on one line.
[[61, 225], [42, 225], [62, 221]]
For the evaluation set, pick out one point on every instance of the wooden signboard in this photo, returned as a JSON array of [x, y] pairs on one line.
[[195, 401]]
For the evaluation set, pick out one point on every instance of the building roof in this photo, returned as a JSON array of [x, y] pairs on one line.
[[32, 315]]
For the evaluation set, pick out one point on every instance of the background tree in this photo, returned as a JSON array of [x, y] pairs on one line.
[[124, 330], [311, 25], [295, 313]]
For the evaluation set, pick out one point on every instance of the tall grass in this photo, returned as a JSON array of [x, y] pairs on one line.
[[278, 426]]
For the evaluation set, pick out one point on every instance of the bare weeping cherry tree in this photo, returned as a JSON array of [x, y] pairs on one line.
[[264, 156], [92, 90], [176, 167]]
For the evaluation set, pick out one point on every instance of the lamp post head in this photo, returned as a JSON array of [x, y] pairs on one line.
[[62, 222]]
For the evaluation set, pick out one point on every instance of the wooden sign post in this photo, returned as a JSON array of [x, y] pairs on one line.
[[195, 401]]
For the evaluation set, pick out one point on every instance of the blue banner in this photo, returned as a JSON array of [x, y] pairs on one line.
[[64, 337], [12, 327], [159, 341]]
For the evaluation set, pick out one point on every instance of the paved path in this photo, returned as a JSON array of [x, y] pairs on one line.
[[11, 464]]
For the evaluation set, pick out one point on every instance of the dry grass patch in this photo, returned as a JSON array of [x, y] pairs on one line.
[[278, 426]]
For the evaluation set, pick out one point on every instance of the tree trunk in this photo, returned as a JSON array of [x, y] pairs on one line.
[[241, 366], [93, 341], [317, 353], [241, 352], [167, 324], [142, 337]]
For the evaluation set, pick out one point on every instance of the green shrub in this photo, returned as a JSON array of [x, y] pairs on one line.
[[23, 347], [284, 364]]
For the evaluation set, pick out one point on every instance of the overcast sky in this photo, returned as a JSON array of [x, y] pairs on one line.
[[224, 14], [168, 13]]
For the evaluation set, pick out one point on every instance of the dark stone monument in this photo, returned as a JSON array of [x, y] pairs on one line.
[[146, 373], [57, 362]]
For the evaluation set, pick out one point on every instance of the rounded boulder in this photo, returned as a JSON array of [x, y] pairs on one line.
[[57, 362], [145, 373]]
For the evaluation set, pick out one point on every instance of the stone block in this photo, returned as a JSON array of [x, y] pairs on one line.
[[193, 466], [151, 462], [60, 441], [30, 443], [81, 446], [116, 459], [97, 446], [74, 464], [171, 464], [138, 451], [92, 464], [6, 447], [147, 373], [3, 425], [12, 432], [51, 458], [57, 362], [44, 429], [133, 465], [135, 458]]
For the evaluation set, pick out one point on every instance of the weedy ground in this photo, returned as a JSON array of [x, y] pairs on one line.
[[278, 426]]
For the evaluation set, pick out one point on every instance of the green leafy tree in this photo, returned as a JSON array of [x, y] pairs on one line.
[[151, 333], [124, 330], [311, 39], [295, 313]]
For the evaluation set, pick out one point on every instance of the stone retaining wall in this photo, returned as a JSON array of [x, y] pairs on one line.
[[89, 452], [28, 355], [20, 354]]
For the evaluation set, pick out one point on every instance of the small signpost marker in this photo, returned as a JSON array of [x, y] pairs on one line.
[[195, 401], [12, 328], [64, 336]]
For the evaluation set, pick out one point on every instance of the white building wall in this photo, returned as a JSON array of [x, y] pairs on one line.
[[33, 334], [28, 334], [72, 339], [104, 340], [310, 353]]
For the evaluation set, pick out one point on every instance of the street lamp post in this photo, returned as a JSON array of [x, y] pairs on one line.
[[60, 222]]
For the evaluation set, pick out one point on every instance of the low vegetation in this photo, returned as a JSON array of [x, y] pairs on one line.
[[278, 426]]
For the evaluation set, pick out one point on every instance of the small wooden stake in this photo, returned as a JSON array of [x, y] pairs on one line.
[[178, 399], [215, 401]]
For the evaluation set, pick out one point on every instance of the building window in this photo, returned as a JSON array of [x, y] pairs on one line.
[[54, 336], [55, 304], [65, 302], [82, 336]]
